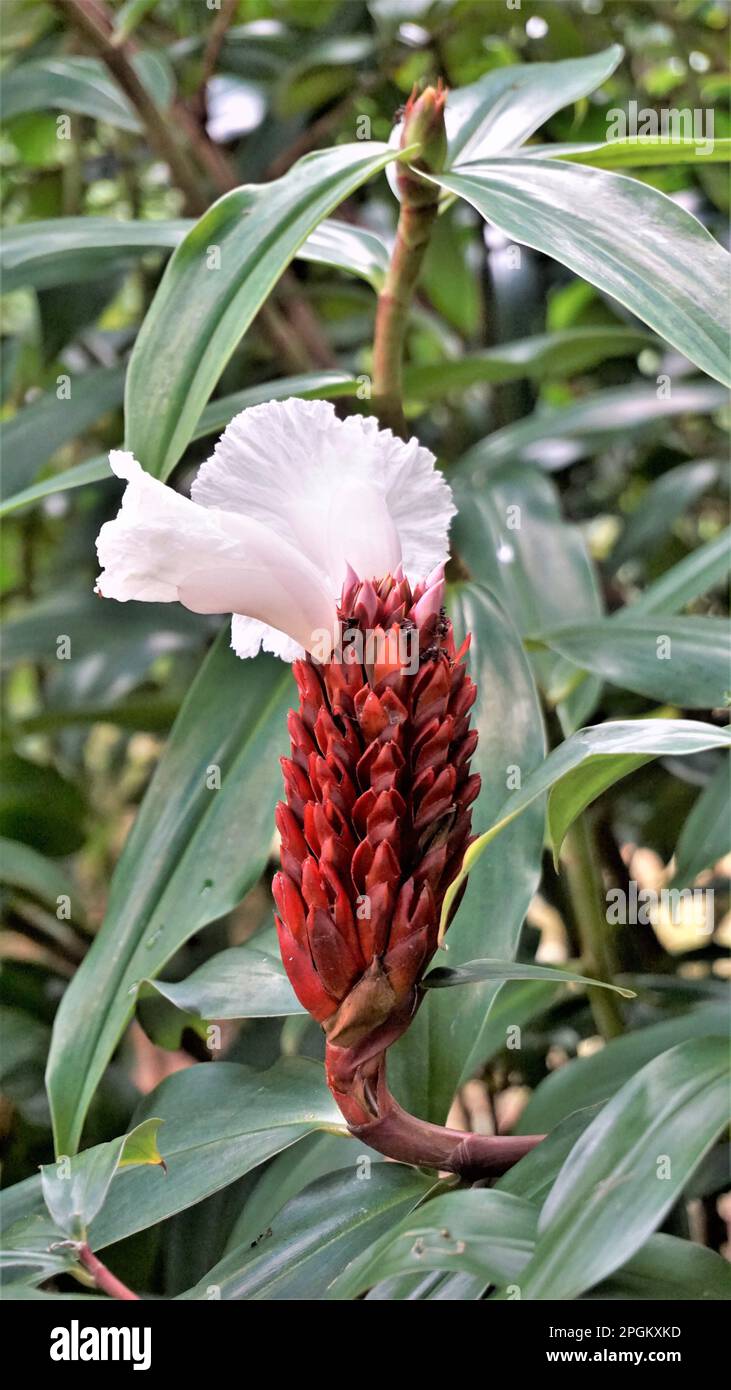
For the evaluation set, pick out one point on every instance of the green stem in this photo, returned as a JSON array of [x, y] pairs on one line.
[[394, 301], [579, 859]]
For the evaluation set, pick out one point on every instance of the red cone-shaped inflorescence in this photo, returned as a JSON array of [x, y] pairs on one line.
[[376, 821]]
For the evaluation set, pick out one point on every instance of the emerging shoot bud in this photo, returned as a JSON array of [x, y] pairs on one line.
[[423, 125]]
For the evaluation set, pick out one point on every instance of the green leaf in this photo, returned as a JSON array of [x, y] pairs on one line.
[[315, 1235], [287, 1175], [698, 572], [72, 250], [346, 247], [24, 868], [580, 787], [672, 275], [437, 1288], [76, 625], [94, 470], [553, 438], [40, 806], [75, 1189], [586, 1080], [644, 737], [543, 357], [308, 385], [514, 539], [219, 1121], [193, 853], [706, 834], [505, 107], [533, 1177], [129, 15], [83, 85], [643, 151], [661, 504], [668, 1269], [214, 418], [34, 434], [239, 983], [517, 1002], [222, 273], [682, 660], [482, 1232], [475, 970], [628, 1168], [428, 1063]]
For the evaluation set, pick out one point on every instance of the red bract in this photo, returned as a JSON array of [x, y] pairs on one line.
[[376, 821]]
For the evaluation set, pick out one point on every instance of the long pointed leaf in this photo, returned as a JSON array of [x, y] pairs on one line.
[[619, 234]]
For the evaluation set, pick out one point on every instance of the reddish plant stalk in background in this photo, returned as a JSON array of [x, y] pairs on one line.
[[375, 825]]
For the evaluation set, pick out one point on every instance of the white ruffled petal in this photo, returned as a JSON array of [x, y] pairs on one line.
[[342, 491], [163, 547], [249, 637]]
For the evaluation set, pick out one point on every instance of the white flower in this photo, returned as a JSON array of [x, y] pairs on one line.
[[290, 498]]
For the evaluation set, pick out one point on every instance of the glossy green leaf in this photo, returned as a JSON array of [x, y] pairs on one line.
[[660, 505], [554, 437], [580, 787], [214, 418], [644, 737], [29, 438], [219, 1120], [628, 1168], [474, 971], [543, 357], [72, 83], [505, 107], [313, 1157], [533, 1177], [481, 1232], [584, 1081], [514, 540], [241, 982], [706, 834], [621, 235], [350, 248], [90, 664], [682, 660], [667, 1269], [698, 572], [434, 1288], [32, 1252], [644, 151], [75, 1189], [222, 272], [328, 384], [72, 250], [315, 1235], [193, 853], [428, 1063]]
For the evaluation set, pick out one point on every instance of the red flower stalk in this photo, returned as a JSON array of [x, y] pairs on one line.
[[375, 825]]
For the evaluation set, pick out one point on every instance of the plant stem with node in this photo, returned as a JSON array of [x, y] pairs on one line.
[[423, 125]]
